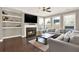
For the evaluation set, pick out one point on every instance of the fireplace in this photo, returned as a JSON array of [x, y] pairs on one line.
[[30, 32]]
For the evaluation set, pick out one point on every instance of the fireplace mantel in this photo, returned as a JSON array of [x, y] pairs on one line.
[[27, 26]]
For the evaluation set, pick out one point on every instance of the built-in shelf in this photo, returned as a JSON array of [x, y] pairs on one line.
[[11, 27], [12, 16], [11, 23]]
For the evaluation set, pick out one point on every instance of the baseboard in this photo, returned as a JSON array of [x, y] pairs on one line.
[[1, 40], [11, 37], [23, 36]]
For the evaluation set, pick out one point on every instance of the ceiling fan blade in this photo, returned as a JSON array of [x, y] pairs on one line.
[[48, 8]]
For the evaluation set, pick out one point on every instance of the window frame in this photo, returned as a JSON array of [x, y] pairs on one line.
[[74, 20]]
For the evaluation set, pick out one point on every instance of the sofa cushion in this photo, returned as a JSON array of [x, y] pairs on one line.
[[51, 30], [57, 31], [61, 37], [75, 31], [62, 31], [74, 39]]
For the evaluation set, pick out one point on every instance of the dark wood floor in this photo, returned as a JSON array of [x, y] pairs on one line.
[[17, 44]]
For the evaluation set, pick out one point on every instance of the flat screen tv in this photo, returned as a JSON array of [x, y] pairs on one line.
[[30, 18]]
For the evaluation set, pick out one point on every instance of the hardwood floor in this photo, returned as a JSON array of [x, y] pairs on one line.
[[17, 44], [1, 47]]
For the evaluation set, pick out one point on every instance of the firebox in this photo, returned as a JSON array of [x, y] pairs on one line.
[[30, 32]]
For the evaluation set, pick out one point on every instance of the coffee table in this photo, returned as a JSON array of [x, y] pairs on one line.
[[44, 37]]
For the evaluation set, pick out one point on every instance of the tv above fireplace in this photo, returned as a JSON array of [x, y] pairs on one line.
[[30, 18]]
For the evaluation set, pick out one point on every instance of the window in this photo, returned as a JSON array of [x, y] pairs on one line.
[[40, 24], [69, 21], [44, 24], [48, 23], [56, 22]]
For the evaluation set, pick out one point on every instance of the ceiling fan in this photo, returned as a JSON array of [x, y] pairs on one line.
[[46, 9]]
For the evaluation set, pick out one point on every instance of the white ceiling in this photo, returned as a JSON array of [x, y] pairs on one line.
[[38, 10]]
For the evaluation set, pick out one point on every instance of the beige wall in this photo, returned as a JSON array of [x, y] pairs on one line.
[[77, 20], [61, 22]]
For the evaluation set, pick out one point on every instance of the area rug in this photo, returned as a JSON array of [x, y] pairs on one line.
[[39, 45]]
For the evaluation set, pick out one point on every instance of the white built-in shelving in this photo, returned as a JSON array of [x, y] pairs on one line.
[[10, 22], [11, 16]]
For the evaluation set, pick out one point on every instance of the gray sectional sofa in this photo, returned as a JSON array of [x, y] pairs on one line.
[[68, 42]]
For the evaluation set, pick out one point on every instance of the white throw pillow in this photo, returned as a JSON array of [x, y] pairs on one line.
[[67, 36], [75, 33]]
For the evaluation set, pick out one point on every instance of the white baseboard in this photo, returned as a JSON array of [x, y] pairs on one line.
[[23, 36], [11, 36], [1, 40]]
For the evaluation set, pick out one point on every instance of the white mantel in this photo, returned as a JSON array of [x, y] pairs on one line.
[[26, 25]]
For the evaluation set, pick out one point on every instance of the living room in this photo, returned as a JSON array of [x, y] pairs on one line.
[[39, 29], [53, 35]]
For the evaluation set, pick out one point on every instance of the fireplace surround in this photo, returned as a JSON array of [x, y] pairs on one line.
[[30, 32]]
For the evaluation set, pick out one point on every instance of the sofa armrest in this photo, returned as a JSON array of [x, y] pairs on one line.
[[61, 46]]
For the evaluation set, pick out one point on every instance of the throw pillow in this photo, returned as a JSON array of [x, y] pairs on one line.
[[67, 36]]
